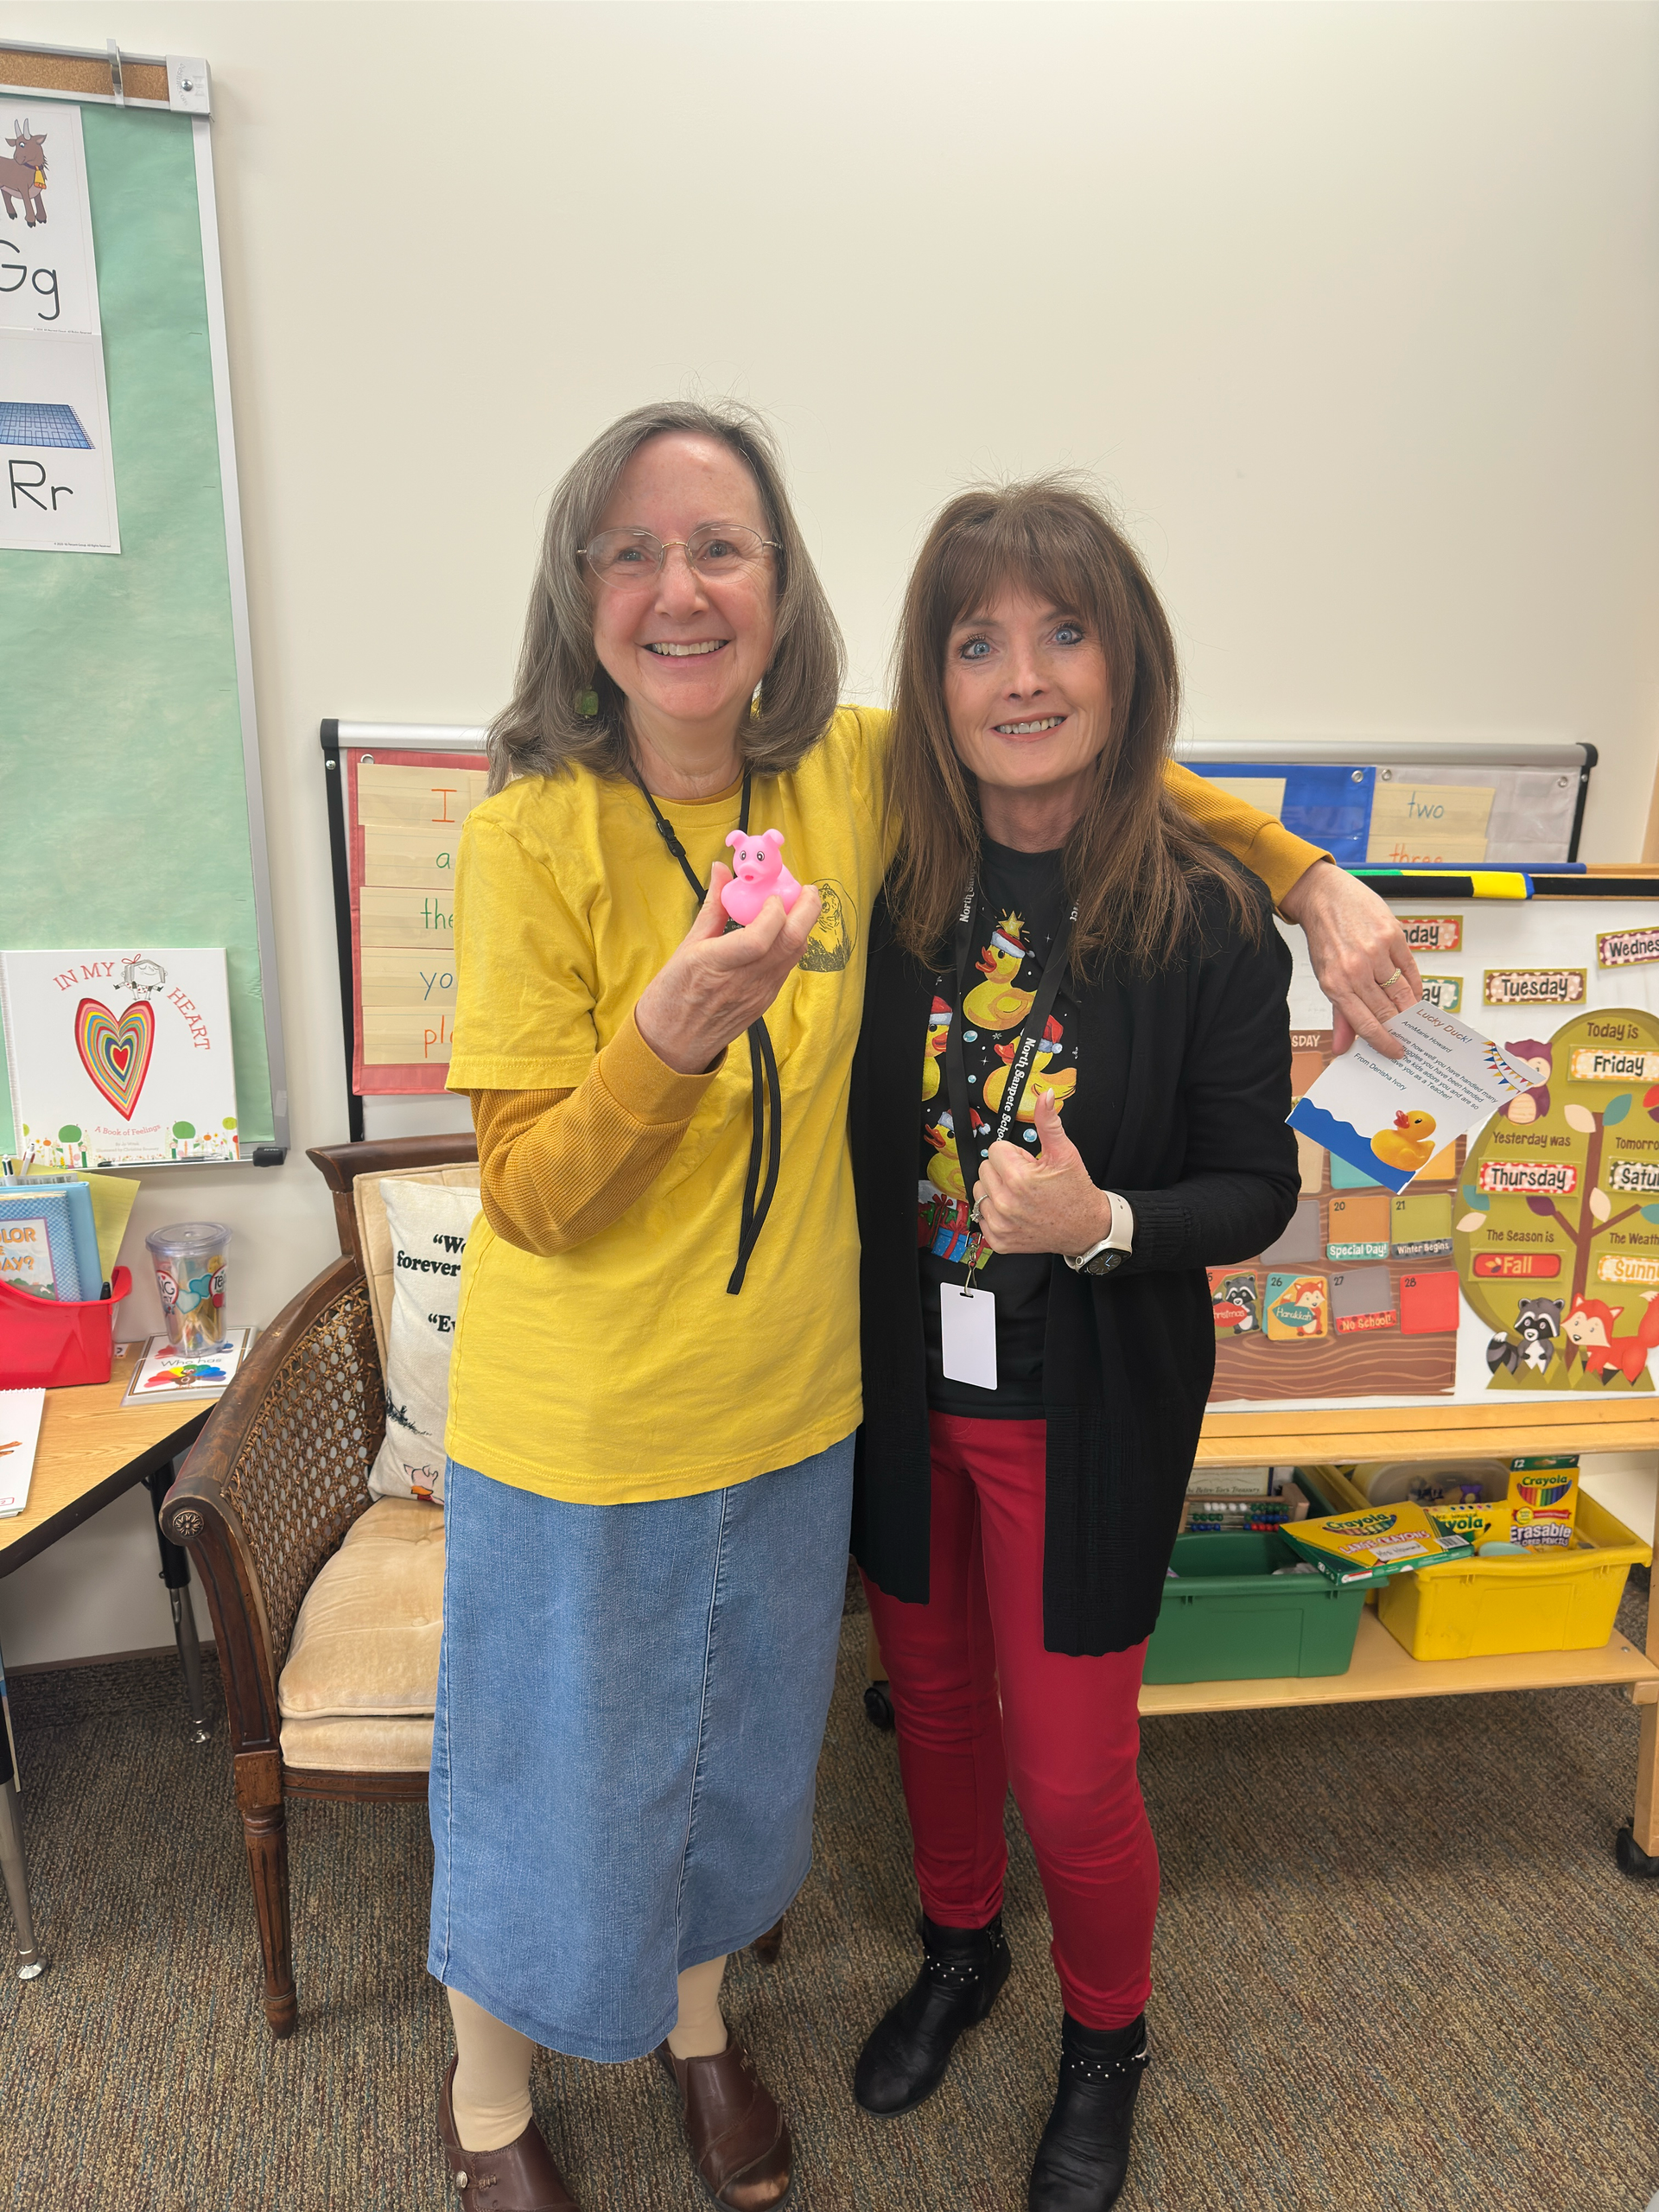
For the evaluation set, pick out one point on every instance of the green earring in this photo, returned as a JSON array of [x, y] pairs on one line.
[[588, 703]]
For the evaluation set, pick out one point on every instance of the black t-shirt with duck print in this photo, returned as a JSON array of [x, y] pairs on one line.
[[1022, 904]]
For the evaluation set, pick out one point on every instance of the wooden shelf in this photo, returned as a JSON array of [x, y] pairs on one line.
[[1384, 1668], [1508, 1427]]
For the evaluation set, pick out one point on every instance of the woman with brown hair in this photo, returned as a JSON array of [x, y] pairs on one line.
[[1037, 1328]]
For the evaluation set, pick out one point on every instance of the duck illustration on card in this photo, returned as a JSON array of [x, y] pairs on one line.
[[119, 1055]]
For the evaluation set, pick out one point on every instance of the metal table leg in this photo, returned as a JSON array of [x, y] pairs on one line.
[[30, 1961], [175, 1573]]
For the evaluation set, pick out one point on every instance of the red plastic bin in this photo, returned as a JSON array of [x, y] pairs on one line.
[[47, 1341]]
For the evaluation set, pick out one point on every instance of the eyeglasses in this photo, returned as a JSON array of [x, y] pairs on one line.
[[635, 557]]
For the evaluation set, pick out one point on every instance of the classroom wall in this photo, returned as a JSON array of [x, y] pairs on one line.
[[1352, 307]]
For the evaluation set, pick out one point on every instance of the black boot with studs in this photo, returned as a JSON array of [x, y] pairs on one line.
[[1084, 2153], [904, 2059]]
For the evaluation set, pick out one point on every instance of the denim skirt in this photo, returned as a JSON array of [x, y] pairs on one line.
[[630, 1700]]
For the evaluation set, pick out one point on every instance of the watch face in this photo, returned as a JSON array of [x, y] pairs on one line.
[[1103, 1262]]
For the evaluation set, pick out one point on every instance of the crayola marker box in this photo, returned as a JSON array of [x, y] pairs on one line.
[[1382, 1540], [1546, 1483], [1474, 1524]]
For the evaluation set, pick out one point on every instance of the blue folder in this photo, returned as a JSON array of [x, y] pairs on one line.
[[66, 1206]]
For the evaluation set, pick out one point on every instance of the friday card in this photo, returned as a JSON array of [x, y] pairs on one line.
[[118, 1057], [1391, 1118]]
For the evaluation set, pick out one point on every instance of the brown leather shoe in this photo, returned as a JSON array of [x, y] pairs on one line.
[[521, 2178], [739, 2139]]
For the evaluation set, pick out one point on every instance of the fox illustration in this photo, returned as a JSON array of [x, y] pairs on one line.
[[1590, 1326]]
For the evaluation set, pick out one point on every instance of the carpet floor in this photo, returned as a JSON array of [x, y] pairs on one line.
[[1397, 1967]]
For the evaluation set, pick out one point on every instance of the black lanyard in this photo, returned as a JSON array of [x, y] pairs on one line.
[[762, 1070], [970, 1154]]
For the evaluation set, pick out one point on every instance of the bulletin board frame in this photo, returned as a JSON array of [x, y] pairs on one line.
[[129, 902], [346, 744], [1321, 774]]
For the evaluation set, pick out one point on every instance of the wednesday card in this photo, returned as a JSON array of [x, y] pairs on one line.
[[1390, 1118]]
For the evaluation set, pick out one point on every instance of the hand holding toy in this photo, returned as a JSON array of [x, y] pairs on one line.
[[761, 875]]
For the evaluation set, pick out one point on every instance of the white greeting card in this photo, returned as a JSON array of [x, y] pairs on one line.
[[120, 1056], [1390, 1117], [20, 1432], [165, 1373]]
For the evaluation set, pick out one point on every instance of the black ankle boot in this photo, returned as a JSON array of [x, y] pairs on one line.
[[1084, 2153], [907, 2052]]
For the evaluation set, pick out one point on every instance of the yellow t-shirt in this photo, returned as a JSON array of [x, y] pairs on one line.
[[620, 1369]]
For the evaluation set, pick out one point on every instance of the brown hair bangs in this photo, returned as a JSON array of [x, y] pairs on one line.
[[1134, 864], [541, 730]]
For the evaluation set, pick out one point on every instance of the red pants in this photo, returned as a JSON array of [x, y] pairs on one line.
[[1068, 1732]]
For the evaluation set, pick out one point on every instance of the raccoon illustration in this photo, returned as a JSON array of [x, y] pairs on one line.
[[1537, 1323]]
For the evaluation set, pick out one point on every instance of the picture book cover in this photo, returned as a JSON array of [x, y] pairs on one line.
[[118, 1057], [20, 1432], [166, 1372]]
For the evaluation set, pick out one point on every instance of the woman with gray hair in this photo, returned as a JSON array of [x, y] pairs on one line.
[[655, 1381]]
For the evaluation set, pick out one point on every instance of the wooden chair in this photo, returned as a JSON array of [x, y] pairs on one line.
[[276, 1479]]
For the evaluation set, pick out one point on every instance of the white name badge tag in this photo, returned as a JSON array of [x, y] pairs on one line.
[[968, 1335]]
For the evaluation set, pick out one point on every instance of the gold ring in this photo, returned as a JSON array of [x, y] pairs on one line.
[[1389, 982]]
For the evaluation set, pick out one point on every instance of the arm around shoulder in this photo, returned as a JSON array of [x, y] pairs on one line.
[[1256, 840]]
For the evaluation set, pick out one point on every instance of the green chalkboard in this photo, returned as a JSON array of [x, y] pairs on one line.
[[127, 813]]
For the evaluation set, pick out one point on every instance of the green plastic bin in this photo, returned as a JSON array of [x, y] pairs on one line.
[[1229, 1618]]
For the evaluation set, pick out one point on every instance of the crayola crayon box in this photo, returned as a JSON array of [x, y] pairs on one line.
[[1551, 1485], [1373, 1545]]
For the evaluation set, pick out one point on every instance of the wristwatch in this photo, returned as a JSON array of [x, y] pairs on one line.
[[1114, 1246]]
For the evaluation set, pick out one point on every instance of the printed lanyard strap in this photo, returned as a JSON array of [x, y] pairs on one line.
[[764, 1088], [970, 1153]]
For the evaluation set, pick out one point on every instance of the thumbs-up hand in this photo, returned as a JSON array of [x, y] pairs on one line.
[[1047, 1204]]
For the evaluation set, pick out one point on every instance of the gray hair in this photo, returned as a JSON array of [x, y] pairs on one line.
[[542, 733]]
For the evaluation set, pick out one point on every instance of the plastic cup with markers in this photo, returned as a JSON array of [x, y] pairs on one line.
[[188, 1257]]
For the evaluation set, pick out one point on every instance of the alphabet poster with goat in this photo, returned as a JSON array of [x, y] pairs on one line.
[[57, 469], [119, 1057], [1477, 1245]]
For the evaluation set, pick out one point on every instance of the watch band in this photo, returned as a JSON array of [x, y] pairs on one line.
[[1118, 1241]]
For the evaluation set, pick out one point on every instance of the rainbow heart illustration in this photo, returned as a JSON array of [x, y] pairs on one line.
[[116, 1054]]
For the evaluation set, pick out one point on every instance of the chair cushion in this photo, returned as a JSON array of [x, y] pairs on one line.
[[359, 1747], [361, 1685], [426, 1227]]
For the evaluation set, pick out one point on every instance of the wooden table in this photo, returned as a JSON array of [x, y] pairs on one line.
[[90, 1451]]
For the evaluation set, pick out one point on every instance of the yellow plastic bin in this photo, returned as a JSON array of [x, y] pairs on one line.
[[1479, 1608]]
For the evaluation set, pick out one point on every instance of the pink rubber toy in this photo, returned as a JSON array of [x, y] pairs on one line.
[[759, 874]]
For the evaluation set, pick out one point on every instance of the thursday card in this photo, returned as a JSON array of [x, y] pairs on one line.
[[1391, 1118], [119, 1056]]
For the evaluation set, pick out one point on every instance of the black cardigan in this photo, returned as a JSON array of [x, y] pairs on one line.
[[1187, 1085]]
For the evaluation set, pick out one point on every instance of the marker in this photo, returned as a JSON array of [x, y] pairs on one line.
[[1478, 883]]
